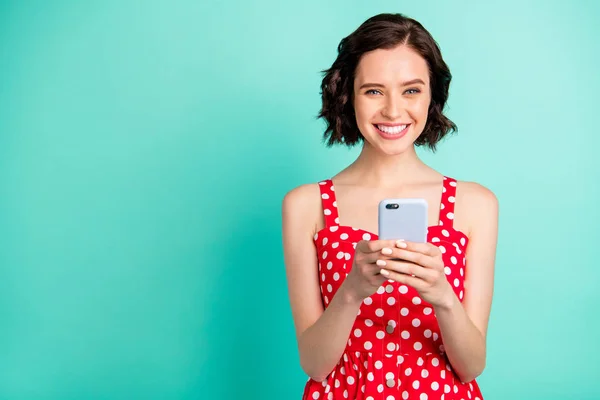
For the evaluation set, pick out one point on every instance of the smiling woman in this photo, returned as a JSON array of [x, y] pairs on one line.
[[389, 319]]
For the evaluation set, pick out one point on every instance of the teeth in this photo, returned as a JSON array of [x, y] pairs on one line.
[[392, 130]]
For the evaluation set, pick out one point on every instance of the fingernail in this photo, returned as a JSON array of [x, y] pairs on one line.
[[386, 251], [401, 244], [384, 272], [381, 263]]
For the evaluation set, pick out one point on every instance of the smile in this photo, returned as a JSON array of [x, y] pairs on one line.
[[392, 132]]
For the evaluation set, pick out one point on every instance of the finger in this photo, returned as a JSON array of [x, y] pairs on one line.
[[427, 248], [406, 268], [374, 246], [414, 257], [412, 281]]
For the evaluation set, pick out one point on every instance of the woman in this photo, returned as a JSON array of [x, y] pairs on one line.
[[381, 319]]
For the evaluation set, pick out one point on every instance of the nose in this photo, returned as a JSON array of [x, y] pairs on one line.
[[392, 108]]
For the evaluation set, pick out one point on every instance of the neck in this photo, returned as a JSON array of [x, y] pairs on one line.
[[382, 170]]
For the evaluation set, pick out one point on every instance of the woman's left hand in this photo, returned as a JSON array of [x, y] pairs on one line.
[[421, 267]]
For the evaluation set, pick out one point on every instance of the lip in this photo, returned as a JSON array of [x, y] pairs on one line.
[[389, 136]]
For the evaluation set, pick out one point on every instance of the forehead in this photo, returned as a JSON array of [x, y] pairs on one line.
[[392, 65]]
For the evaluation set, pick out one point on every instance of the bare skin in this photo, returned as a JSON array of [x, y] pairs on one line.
[[390, 168]]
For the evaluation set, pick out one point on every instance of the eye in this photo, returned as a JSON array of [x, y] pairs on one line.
[[370, 91], [414, 91]]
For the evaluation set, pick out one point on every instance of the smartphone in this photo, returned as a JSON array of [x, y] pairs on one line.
[[404, 219]]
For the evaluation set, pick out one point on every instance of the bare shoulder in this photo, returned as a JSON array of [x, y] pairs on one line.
[[302, 205], [476, 203]]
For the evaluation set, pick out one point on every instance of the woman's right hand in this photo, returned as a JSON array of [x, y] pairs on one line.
[[364, 277]]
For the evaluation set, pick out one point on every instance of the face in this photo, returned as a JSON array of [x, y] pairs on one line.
[[391, 98]]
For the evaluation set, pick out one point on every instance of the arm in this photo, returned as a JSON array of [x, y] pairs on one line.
[[321, 334], [463, 326]]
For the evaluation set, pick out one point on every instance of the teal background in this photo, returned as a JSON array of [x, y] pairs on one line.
[[145, 148]]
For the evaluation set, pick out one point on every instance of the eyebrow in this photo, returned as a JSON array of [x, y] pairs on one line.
[[407, 83]]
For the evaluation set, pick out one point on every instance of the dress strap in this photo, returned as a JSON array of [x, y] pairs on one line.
[[447, 204], [330, 210]]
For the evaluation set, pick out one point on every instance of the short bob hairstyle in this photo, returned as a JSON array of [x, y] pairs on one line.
[[383, 31]]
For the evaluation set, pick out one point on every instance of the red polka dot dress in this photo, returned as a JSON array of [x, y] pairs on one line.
[[394, 350]]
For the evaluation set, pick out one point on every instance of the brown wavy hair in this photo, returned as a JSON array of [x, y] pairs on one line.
[[383, 31]]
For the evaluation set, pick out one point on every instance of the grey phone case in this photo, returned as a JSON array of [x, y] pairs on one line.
[[403, 219]]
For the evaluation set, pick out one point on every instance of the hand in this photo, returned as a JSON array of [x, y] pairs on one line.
[[421, 267], [364, 278]]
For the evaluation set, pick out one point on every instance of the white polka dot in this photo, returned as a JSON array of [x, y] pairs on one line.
[[453, 260], [345, 394], [447, 270], [451, 199], [366, 236], [333, 228], [416, 322], [348, 256], [427, 333], [337, 219], [405, 334], [435, 362], [315, 395], [442, 249], [404, 311], [329, 288], [357, 332], [379, 312], [368, 322], [380, 335], [418, 346], [336, 276], [378, 364], [391, 346], [368, 301], [324, 241], [415, 384], [391, 301], [332, 188], [408, 371], [350, 380], [445, 233], [390, 397], [455, 389], [380, 290], [335, 245], [446, 388], [423, 396], [327, 211], [452, 183], [392, 323], [370, 376], [389, 375], [326, 300], [380, 388], [424, 373], [323, 276], [339, 255], [344, 236], [325, 196], [450, 215], [405, 395], [443, 374], [403, 289], [462, 271], [460, 296], [324, 255], [316, 236], [462, 241], [456, 282], [427, 310], [416, 300], [368, 345], [435, 240], [435, 336], [435, 385]]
